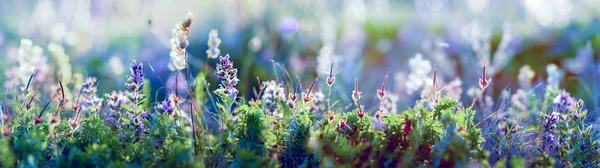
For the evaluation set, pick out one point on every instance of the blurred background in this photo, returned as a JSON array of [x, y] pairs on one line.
[[362, 39]]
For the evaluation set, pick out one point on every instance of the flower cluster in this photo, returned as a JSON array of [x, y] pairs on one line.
[[88, 91], [555, 75], [30, 57], [419, 74], [525, 77], [213, 44], [272, 93], [388, 104], [550, 124], [135, 82], [563, 102], [228, 76], [167, 106], [316, 104], [179, 42]]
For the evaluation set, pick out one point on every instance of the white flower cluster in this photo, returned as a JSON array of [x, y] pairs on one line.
[[388, 104], [525, 77], [272, 93], [555, 75], [179, 42], [213, 44], [419, 74], [30, 58]]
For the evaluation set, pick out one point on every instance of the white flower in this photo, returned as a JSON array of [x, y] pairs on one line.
[[555, 75], [419, 76], [525, 76]]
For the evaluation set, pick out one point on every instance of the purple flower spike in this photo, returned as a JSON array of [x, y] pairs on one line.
[[228, 76]]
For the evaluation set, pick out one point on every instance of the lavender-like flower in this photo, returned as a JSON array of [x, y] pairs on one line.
[[378, 124], [90, 100], [179, 42], [228, 76], [550, 124], [135, 82], [563, 102], [213, 44], [166, 106], [272, 93], [113, 101]]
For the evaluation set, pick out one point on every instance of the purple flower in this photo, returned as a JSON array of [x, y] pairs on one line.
[[563, 102], [113, 101], [378, 124], [90, 100], [135, 81], [551, 121], [273, 92], [167, 106], [228, 76]]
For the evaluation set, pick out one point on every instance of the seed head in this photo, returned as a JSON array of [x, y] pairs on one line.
[[484, 81]]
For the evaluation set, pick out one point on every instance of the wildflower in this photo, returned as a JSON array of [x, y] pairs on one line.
[[179, 42], [330, 78], [550, 121], [519, 99], [484, 81], [73, 123], [388, 104], [30, 58], [330, 115], [236, 119], [213, 44], [563, 102], [407, 127], [525, 77], [223, 128], [378, 124], [167, 106], [145, 115], [135, 82], [272, 93], [53, 120], [418, 76], [38, 120], [355, 93], [576, 114], [290, 104], [307, 96], [361, 113], [113, 101], [90, 101], [508, 126], [6, 132], [228, 76], [548, 140], [555, 75], [381, 92]]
